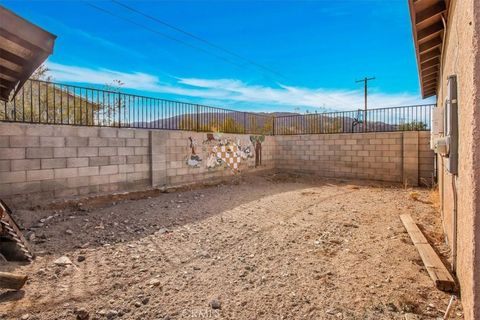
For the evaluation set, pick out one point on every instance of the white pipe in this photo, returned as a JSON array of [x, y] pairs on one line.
[[449, 308], [454, 226]]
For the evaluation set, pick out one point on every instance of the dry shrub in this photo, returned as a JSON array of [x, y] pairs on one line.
[[414, 195]]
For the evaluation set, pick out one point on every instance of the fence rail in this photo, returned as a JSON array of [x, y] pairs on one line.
[[405, 118], [54, 103]]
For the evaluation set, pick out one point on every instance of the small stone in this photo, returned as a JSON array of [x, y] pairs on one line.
[[163, 230], [81, 314], [391, 307], [41, 272], [330, 311], [80, 258], [154, 282], [111, 314], [145, 300], [69, 232], [26, 316], [63, 261], [137, 304], [215, 304], [205, 254]]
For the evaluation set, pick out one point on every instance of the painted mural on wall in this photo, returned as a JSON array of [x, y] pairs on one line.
[[193, 160], [257, 143], [225, 152]]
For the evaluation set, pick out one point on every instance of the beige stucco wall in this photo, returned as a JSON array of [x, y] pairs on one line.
[[461, 57]]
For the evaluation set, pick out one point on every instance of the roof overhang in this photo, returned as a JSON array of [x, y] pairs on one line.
[[23, 48], [429, 20]]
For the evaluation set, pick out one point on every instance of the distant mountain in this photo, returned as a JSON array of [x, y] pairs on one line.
[[261, 122]]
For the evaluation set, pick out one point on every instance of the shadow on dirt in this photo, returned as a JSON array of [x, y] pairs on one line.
[[60, 227]]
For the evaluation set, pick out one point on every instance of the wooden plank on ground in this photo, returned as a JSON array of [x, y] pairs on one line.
[[436, 269], [12, 281]]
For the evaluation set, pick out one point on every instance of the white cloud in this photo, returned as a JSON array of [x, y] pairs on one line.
[[134, 80], [228, 91]]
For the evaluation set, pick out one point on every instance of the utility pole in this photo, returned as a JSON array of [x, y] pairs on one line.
[[365, 81]]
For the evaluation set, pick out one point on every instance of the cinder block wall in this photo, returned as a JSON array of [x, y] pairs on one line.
[[58, 161], [49, 161], [390, 156], [178, 147]]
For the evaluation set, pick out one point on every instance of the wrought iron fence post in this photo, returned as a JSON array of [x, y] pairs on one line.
[[244, 123], [119, 111], [197, 118], [273, 125]]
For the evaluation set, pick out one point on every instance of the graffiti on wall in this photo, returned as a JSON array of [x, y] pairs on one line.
[[226, 152]]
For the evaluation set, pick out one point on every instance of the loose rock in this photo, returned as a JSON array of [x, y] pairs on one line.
[[63, 261], [81, 314], [215, 304]]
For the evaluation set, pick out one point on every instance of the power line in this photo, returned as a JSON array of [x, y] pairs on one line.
[[191, 35], [163, 34]]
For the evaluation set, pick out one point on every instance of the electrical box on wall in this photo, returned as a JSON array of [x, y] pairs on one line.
[[447, 146], [451, 125], [436, 127]]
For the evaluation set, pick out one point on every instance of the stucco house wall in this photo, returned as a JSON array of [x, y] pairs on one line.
[[461, 58]]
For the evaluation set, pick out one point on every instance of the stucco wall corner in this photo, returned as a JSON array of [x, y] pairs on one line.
[[476, 160]]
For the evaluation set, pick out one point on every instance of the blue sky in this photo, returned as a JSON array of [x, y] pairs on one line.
[[313, 50]]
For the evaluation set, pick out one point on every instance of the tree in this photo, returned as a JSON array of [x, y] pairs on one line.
[[267, 126], [41, 101], [413, 126], [187, 123], [42, 73], [111, 109], [231, 126]]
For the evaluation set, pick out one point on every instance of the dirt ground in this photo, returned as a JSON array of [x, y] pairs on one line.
[[264, 247]]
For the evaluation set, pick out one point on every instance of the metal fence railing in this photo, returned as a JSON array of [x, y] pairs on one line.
[[406, 118], [53, 103]]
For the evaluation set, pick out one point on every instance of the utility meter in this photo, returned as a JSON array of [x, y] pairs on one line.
[[436, 131], [447, 146]]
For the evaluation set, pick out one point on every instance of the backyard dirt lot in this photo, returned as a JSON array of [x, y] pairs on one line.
[[262, 247]]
